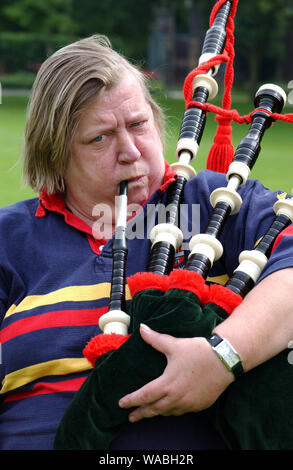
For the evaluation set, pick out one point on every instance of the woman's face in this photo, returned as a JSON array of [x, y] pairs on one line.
[[116, 139]]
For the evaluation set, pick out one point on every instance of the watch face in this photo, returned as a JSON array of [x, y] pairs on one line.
[[227, 354]]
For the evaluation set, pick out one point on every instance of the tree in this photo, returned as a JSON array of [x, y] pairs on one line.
[[42, 17], [261, 31], [126, 23]]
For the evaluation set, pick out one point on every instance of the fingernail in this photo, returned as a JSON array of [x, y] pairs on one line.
[[144, 326]]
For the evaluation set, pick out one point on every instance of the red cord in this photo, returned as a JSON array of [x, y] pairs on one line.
[[233, 115], [227, 56], [222, 152]]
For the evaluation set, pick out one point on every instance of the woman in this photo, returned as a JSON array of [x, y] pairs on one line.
[[91, 124]]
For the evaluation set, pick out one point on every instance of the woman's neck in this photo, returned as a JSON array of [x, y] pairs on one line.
[[100, 217]]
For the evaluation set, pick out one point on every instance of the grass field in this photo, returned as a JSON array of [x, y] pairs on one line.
[[274, 167]]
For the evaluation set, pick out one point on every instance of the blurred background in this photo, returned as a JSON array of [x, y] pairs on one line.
[[165, 38]]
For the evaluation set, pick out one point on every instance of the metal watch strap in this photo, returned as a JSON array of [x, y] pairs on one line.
[[229, 356]]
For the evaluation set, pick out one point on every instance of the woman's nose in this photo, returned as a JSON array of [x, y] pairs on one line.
[[127, 149]]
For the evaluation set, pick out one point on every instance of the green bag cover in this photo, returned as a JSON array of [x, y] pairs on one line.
[[94, 419], [254, 413]]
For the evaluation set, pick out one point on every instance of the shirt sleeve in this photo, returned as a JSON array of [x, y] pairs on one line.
[[242, 231], [253, 221], [3, 296], [282, 253], [3, 309]]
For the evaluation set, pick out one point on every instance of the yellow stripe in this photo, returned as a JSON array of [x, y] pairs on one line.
[[219, 279], [282, 196], [71, 293], [57, 367], [257, 242]]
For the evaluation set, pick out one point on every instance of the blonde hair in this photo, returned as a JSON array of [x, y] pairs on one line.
[[65, 85]]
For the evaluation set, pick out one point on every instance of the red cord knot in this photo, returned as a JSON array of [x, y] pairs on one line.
[[197, 104], [248, 117], [269, 113]]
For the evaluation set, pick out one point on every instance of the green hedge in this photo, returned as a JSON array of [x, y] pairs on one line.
[[17, 80], [21, 51]]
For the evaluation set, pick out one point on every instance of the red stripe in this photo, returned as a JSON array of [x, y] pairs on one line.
[[44, 388], [51, 320], [287, 231], [55, 202]]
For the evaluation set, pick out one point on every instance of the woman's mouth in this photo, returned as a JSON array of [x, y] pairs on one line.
[[137, 180]]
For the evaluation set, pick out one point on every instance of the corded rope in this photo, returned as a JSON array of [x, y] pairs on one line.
[[222, 150]]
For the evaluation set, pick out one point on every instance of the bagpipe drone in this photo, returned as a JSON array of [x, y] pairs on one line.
[[256, 410]]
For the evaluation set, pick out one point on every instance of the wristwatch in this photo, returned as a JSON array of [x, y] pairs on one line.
[[227, 354]]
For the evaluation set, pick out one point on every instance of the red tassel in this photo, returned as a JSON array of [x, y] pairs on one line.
[[224, 297], [191, 281], [222, 151], [146, 280], [101, 344]]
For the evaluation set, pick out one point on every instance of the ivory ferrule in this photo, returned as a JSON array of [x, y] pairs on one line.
[[115, 321], [184, 170], [240, 170], [207, 245], [285, 207], [252, 263], [207, 56], [274, 87], [167, 233], [185, 157], [206, 81], [229, 196], [185, 146], [234, 183]]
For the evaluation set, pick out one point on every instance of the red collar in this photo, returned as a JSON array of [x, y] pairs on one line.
[[56, 203]]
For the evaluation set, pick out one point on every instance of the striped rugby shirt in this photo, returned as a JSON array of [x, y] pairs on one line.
[[54, 286]]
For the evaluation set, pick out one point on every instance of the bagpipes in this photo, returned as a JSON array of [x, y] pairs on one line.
[[256, 410]]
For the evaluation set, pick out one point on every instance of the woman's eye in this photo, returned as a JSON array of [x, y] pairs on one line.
[[136, 124], [99, 138]]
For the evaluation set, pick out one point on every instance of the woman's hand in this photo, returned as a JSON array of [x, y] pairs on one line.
[[192, 381]]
